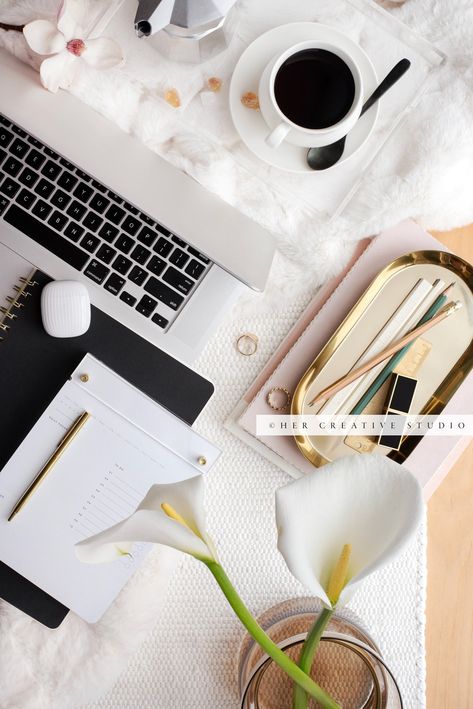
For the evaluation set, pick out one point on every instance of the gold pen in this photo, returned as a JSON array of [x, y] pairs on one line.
[[51, 462]]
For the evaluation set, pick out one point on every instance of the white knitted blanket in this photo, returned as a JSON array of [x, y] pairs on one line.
[[182, 646], [188, 660]]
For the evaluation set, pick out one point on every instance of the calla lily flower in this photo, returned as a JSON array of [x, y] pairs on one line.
[[342, 522], [171, 514], [67, 42]]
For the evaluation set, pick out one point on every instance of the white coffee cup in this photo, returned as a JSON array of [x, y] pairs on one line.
[[282, 128]]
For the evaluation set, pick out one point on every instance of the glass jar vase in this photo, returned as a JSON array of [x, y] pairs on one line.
[[348, 664]]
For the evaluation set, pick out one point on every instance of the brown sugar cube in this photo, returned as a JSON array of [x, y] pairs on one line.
[[250, 100], [172, 98], [214, 84]]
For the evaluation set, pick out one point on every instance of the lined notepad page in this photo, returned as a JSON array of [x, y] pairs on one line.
[[101, 479]]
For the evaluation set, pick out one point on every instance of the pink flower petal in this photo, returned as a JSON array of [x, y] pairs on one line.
[[102, 53], [58, 71], [43, 37]]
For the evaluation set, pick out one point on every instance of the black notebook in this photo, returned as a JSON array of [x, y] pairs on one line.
[[34, 366]]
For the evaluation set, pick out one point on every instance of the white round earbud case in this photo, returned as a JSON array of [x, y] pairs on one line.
[[65, 308]]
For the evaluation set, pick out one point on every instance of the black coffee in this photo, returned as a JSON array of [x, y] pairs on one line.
[[314, 88]]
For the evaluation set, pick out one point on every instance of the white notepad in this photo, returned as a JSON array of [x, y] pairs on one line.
[[129, 444]]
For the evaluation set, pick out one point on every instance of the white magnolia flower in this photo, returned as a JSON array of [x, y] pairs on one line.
[[352, 516], [67, 42], [171, 514]]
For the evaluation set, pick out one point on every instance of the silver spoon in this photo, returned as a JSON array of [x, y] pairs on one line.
[[327, 155]]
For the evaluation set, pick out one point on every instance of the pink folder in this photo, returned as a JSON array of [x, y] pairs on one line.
[[433, 457]]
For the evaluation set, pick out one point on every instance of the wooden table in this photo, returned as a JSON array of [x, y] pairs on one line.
[[450, 566]]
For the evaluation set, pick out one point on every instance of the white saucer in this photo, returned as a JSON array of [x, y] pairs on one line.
[[251, 125]]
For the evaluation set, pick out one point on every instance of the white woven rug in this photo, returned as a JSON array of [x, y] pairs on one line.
[[189, 658]]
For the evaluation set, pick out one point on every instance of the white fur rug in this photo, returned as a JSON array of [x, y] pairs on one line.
[[427, 175]]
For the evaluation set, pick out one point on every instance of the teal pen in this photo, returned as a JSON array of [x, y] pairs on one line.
[[395, 359]]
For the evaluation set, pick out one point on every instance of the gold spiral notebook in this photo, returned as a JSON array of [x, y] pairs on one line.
[[15, 302]]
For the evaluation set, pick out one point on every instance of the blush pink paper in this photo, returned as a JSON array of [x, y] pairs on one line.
[[433, 457]]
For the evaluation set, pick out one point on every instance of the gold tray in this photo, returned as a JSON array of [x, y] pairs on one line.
[[445, 368]]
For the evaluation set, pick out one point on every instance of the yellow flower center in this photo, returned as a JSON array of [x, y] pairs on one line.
[[339, 575], [173, 514]]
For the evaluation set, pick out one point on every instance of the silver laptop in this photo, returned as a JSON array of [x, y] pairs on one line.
[[82, 200]]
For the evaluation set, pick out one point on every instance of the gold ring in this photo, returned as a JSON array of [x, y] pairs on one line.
[[274, 403], [247, 344]]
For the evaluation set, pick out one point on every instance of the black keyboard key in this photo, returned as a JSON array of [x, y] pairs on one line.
[[131, 225], [34, 142], [5, 137], [130, 208], [12, 166], [156, 266], [128, 299], [195, 269], [147, 236], [42, 209], [178, 280], [97, 271], [148, 220], [19, 131], [42, 234], [124, 243], [115, 197], [58, 220], [178, 241], [44, 188], [115, 214], [28, 177], [51, 170], [162, 230], [163, 247], [60, 199], [83, 192], [67, 181], [179, 258], [3, 155], [83, 175], [198, 255], [65, 163], [76, 210], [108, 232], [140, 254], [159, 320], [90, 243], [92, 221], [146, 305], [4, 121], [25, 198], [9, 187], [19, 148], [50, 153], [73, 231], [122, 265], [99, 203], [114, 284], [98, 186], [35, 159], [163, 293], [106, 253], [4, 202], [137, 275]]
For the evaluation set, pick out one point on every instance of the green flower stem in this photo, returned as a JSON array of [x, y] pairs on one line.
[[257, 632], [308, 652]]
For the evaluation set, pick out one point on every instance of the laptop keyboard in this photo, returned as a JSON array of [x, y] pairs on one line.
[[95, 231]]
